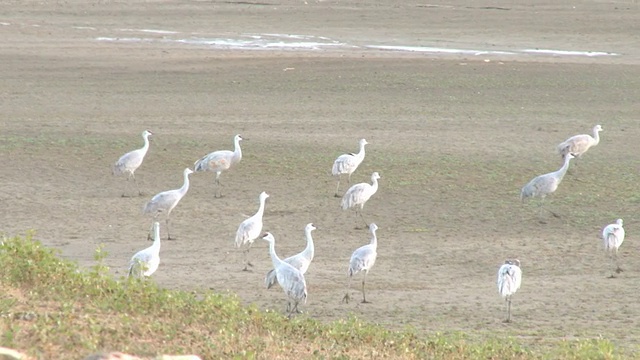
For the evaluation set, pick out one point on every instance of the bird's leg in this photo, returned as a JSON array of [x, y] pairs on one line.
[[357, 220], [618, 268], [126, 185], [364, 298], [246, 260], [338, 186], [168, 230], [218, 187], [508, 310], [346, 297], [133, 176], [366, 224]]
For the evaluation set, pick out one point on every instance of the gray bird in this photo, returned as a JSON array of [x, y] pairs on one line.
[[543, 185], [219, 161], [131, 161], [165, 201], [362, 260], [509, 281]]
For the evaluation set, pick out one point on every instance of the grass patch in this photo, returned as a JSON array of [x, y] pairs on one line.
[[50, 306]]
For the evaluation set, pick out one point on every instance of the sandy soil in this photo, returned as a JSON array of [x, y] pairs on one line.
[[454, 137]]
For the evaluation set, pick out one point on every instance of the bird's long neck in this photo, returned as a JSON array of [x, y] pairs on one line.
[[309, 250], [156, 239], [145, 147], [374, 184], [563, 170], [260, 211], [374, 239], [274, 258], [360, 154], [185, 185], [237, 151], [596, 136]]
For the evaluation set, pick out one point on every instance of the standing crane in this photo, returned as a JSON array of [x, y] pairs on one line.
[[250, 229], [509, 280], [219, 161], [165, 201], [613, 236], [290, 279], [299, 261], [131, 161], [347, 164], [358, 195], [362, 260], [145, 262], [543, 185], [579, 144]]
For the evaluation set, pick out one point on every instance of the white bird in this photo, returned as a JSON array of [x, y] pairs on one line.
[[219, 161], [250, 229], [579, 144], [145, 262], [347, 164], [613, 236], [543, 185], [165, 201], [131, 161], [299, 261], [358, 195], [362, 260], [509, 280], [290, 279]]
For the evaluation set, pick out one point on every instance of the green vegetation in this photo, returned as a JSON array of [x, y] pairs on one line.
[[49, 307]]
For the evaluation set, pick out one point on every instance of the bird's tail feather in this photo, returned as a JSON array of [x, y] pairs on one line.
[[270, 279], [199, 165]]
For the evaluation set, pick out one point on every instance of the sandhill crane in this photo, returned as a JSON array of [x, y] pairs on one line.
[[362, 260], [250, 229], [131, 161], [299, 261], [613, 236], [543, 185], [219, 161], [509, 280], [358, 195], [347, 164], [165, 201], [145, 262], [579, 144], [290, 279]]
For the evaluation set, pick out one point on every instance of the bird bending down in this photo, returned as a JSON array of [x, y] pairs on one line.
[[509, 280], [131, 161], [579, 144], [165, 201], [362, 260], [290, 279], [358, 195], [543, 185], [613, 236], [347, 164], [250, 229], [299, 261], [145, 262], [219, 161]]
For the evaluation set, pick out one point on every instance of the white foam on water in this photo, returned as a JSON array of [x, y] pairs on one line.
[[84, 28], [119, 39], [569, 53], [5, 23], [438, 50]]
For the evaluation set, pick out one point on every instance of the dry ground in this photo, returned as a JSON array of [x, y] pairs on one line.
[[453, 137]]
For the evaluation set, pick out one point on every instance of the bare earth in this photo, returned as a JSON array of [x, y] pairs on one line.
[[453, 136]]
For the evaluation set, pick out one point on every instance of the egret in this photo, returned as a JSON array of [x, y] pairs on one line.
[[165, 201], [613, 236], [509, 280], [362, 260], [347, 164], [145, 262], [359, 194], [131, 161], [543, 185], [219, 161], [290, 279], [299, 261], [250, 229]]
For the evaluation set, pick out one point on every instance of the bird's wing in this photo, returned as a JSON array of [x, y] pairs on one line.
[[576, 144], [344, 163], [270, 279], [361, 259], [356, 194], [248, 231], [517, 275], [292, 281], [215, 161], [161, 201]]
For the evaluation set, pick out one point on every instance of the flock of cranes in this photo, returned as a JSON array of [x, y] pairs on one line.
[[289, 273]]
